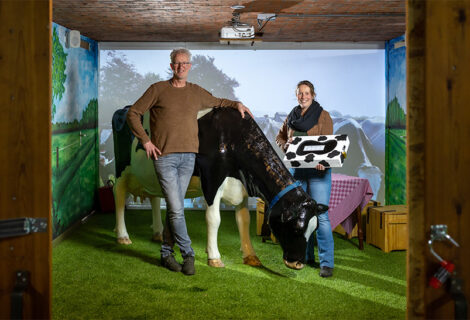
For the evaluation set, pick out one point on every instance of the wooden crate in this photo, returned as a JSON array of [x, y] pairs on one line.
[[340, 230], [260, 209], [387, 227]]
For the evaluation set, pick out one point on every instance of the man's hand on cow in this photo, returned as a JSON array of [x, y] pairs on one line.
[[320, 167], [152, 151], [242, 109]]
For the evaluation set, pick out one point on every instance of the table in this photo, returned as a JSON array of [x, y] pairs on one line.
[[349, 195]]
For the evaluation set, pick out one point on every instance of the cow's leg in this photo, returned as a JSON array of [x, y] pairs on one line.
[[120, 202], [242, 215], [213, 223], [157, 225], [234, 193]]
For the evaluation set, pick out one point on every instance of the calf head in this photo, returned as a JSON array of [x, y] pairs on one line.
[[292, 220]]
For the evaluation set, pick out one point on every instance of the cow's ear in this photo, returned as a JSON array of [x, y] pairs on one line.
[[321, 208]]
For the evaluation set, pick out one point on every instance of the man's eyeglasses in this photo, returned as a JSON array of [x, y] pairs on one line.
[[181, 63]]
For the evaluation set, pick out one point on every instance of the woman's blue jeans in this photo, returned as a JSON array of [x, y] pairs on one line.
[[317, 184], [174, 172]]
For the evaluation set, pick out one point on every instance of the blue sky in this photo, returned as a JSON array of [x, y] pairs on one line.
[[81, 66], [349, 81], [397, 72]]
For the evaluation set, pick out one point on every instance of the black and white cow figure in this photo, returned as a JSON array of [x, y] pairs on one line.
[[232, 146], [235, 147]]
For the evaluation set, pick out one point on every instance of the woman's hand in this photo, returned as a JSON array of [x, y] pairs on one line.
[[320, 167], [286, 145]]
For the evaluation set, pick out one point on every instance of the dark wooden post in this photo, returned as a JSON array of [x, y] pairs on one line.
[[25, 152], [438, 170]]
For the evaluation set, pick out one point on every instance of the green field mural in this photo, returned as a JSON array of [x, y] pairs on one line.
[[74, 158], [395, 122], [396, 163]]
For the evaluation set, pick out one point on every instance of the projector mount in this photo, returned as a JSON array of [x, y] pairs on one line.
[[235, 29]]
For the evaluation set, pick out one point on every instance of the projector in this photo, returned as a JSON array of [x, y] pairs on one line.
[[237, 32]]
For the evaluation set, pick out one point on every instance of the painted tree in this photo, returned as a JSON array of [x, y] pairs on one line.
[[121, 84], [59, 59], [396, 117]]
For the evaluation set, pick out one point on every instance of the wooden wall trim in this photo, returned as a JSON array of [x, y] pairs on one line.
[[25, 149]]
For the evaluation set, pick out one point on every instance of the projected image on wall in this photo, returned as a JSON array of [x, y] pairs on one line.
[[350, 84]]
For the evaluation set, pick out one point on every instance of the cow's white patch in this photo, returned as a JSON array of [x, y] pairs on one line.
[[312, 225], [203, 112]]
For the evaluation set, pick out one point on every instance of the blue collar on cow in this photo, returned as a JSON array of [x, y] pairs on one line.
[[283, 192]]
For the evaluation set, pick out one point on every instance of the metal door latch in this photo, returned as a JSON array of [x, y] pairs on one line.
[[439, 233], [22, 226]]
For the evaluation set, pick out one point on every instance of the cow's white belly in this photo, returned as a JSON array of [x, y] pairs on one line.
[[233, 191]]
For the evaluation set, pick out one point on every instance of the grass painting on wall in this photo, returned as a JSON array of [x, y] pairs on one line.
[[396, 163], [395, 122], [74, 130]]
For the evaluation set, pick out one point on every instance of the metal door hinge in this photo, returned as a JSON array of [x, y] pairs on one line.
[[22, 226]]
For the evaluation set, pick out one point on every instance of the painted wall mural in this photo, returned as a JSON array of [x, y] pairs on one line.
[[395, 162], [74, 129]]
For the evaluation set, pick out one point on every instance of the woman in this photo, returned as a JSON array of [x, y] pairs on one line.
[[309, 118]]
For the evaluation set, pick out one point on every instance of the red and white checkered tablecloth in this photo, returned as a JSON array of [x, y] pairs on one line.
[[347, 193]]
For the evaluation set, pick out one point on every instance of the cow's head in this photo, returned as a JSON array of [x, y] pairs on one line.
[[292, 220]]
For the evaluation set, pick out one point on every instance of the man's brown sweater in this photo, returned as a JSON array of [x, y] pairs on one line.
[[173, 115]]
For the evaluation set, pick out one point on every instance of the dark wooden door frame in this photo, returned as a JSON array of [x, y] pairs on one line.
[[25, 151], [438, 168]]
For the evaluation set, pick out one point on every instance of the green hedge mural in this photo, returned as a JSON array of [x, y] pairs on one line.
[[396, 163], [59, 57], [396, 117]]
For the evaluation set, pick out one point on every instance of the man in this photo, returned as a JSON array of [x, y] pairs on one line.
[[173, 107]]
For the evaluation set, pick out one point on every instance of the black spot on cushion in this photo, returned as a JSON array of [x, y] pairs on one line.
[[290, 155], [295, 164], [325, 164], [309, 158], [333, 154]]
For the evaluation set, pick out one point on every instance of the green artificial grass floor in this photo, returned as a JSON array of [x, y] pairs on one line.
[[95, 278]]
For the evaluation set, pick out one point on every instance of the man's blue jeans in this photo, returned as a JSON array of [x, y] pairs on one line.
[[174, 172], [317, 184]]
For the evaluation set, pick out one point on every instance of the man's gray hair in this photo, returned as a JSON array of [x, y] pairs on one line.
[[179, 51]]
